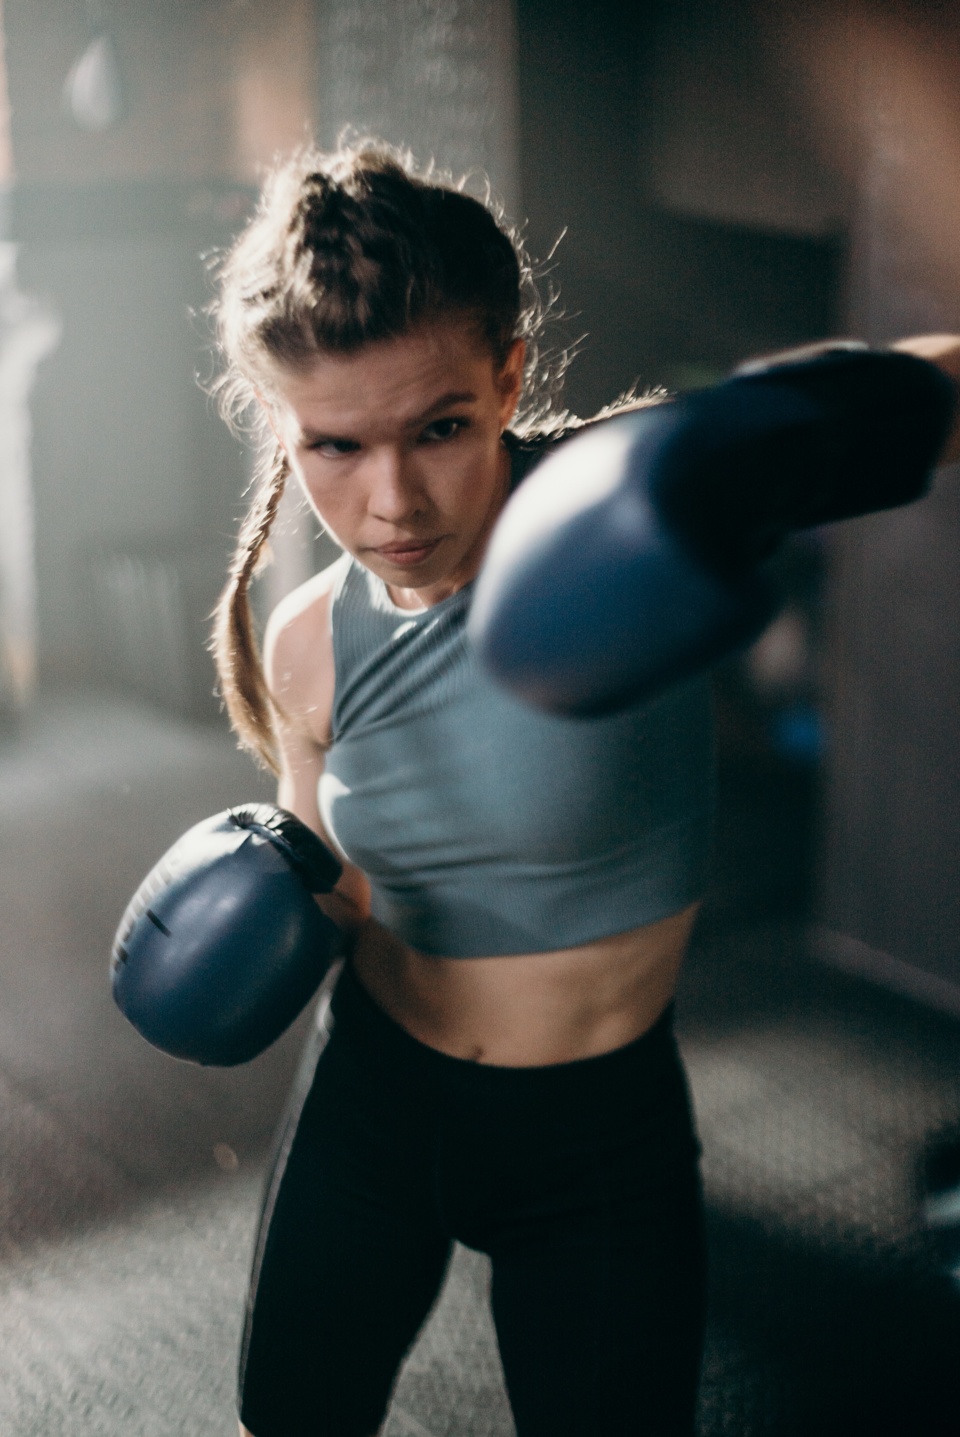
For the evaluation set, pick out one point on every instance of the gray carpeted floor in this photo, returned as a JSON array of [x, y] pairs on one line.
[[129, 1184], [132, 1327]]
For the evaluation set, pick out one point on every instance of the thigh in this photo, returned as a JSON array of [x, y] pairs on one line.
[[349, 1259], [599, 1296]]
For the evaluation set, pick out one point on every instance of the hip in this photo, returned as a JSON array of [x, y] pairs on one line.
[[402, 1107]]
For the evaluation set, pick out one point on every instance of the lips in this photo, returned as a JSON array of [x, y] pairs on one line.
[[407, 553]]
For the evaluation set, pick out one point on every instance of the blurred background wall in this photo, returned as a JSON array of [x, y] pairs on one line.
[[700, 182]]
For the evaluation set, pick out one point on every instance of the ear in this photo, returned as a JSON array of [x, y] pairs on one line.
[[510, 381]]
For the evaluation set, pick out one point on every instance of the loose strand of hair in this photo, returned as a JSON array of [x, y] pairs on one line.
[[236, 651]]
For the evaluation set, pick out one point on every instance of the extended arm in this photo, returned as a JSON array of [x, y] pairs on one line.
[[630, 560]]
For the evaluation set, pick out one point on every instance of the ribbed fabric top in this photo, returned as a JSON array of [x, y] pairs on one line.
[[487, 827]]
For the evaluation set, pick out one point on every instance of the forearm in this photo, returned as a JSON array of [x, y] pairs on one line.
[[347, 910], [348, 903], [943, 350], [801, 439]]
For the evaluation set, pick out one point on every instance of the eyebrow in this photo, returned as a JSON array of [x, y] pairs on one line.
[[446, 401]]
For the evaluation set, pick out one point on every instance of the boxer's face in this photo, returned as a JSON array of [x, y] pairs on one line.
[[397, 447]]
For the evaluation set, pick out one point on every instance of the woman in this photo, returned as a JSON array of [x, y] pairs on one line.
[[499, 1066]]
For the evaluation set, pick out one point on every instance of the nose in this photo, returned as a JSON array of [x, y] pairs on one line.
[[394, 493]]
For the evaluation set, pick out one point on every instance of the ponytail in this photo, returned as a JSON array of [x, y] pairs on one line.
[[235, 649]]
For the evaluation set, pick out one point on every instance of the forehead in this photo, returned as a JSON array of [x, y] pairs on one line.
[[388, 381]]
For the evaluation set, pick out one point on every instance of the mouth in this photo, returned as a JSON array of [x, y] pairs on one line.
[[408, 553]]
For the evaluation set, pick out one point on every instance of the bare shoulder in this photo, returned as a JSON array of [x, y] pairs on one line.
[[298, 655]]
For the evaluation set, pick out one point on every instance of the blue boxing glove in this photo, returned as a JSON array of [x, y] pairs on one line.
[[630, 560], [223, 943]]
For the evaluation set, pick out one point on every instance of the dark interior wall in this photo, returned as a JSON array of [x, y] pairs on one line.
[[890, 878], [625, 111], [579, 122], [727, 130], [738, 177]]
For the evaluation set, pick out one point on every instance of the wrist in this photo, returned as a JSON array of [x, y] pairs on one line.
[[345, 912]]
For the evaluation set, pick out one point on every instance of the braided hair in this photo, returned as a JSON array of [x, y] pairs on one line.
[[346, 248]]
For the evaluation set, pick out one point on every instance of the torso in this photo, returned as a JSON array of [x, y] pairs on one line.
[[525, 1009], [529, 1009], [515, 1010]]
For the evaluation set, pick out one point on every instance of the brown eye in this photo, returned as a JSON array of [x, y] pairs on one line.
[[443, 429], [334, 448]]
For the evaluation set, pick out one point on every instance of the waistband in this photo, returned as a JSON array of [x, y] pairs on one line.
[[360, 1018]]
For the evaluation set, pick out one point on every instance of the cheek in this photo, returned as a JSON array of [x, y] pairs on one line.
[[466, 480], [325, 502], [323, 496]]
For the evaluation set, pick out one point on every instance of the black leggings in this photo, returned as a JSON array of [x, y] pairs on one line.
[[580, 1181]]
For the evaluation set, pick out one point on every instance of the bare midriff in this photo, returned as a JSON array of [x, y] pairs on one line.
[[533, 1009]]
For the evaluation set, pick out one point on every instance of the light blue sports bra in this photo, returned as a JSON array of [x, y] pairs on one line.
[[484, 826]]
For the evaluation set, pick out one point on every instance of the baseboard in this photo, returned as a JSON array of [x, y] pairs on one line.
[[851, 955]]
